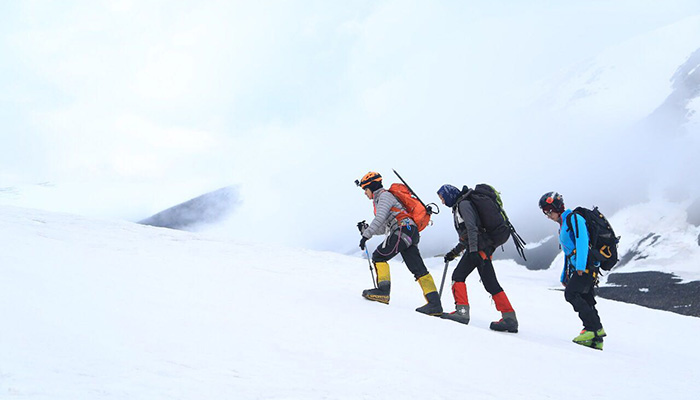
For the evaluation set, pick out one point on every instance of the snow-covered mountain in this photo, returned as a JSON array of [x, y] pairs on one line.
[[657, 237], [631, 117], [652, 75], [110, 309]]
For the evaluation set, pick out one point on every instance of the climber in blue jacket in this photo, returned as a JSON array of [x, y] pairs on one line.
[[579, 276]]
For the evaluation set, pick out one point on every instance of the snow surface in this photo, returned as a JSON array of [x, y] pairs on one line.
[[97, 309]]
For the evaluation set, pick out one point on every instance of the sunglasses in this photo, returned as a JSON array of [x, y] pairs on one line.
[[548, 212]]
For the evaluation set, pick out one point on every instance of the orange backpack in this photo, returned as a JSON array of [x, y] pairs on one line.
[[414, 208]]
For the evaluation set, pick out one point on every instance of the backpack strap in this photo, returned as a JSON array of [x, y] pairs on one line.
[[568, 222], [401, 213], [401, 216]]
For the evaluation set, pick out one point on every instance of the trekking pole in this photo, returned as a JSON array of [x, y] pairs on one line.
[[371, 270], [444, 273]]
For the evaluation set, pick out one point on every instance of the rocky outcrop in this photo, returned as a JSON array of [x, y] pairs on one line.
[[205, 209], [658, 290]]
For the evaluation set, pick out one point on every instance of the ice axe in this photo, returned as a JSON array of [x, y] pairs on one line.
[[444, 273]]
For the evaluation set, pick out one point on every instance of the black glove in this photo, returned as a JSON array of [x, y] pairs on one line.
[[361, 226], [451, 255], [362, 242], [475, 259]]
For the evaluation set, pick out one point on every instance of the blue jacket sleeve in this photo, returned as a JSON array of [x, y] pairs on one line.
[[562, 279]]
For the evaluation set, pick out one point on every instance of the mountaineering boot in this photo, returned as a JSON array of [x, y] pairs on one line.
[[381, 292], [509, 323], [587, 336], [434, 306], [461, 314], [596, 343]]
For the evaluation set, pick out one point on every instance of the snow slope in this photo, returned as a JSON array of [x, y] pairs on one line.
[[96, 309]]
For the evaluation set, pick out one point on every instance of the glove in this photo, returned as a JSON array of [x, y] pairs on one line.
[[475, 259], [361, 226], [451, 255], [362, 242]]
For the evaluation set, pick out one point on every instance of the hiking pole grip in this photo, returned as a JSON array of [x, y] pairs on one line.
[[442, 283]]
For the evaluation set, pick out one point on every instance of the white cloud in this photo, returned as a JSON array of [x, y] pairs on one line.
[[166, 75], [294, 101]]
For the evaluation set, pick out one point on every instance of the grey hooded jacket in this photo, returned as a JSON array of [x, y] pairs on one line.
[[384, 221], [467, 224]]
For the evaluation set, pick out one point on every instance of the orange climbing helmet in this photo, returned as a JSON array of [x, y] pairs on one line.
[[368, 179]]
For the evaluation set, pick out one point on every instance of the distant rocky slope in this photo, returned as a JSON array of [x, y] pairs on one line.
[[653, 289], [205, 209]]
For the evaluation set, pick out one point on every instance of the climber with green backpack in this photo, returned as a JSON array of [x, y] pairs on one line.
[[400, 215], [482, 226]]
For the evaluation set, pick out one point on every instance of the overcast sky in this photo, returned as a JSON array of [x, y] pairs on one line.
[[140, 105]]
